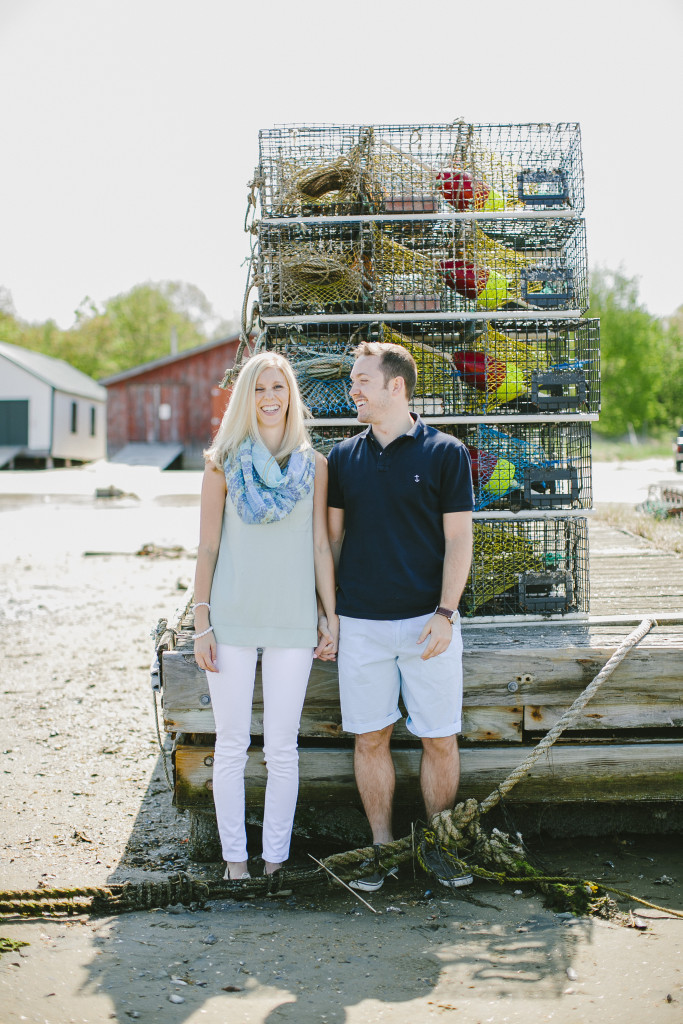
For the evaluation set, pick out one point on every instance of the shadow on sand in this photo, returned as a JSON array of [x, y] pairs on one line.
[[319, 955]]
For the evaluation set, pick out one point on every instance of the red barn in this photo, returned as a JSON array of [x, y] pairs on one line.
[[167, 411]]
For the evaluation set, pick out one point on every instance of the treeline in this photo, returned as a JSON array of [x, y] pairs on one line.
[[641, 358], [135, 327], [641, 355]]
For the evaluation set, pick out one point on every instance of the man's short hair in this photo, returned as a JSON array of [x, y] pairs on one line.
[[394, 361]]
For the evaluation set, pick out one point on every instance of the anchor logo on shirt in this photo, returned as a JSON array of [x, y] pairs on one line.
[[416, 478]]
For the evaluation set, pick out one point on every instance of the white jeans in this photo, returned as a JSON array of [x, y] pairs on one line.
[[285, 672]]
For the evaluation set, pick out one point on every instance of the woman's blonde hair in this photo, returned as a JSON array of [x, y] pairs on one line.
[[240, 420]]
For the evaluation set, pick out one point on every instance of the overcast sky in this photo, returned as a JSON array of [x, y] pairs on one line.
[[129, 127]]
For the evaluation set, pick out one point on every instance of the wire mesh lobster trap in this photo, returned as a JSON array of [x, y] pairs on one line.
[[509, 367], [464, 367], [465, 266], [322, 358], [529, 367], [324, 437], [312, 170], [465, 245], [535, 567], [410, 267], [524, 466], [306, 269]]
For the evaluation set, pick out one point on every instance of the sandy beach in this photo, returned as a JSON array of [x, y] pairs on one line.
[[85, 802]]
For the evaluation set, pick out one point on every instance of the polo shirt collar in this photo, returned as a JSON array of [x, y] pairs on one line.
[[419, 426]]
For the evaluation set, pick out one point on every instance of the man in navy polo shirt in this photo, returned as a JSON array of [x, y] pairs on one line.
[[400, 522]]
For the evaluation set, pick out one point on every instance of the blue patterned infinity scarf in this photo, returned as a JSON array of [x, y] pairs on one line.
[[259, 490]]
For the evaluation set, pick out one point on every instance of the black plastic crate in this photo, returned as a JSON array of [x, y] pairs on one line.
[[314, 170], [511, 367], [413, 267], [526, 567]]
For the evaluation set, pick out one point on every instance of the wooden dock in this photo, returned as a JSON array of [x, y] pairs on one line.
[[519, 678], [628, 576]]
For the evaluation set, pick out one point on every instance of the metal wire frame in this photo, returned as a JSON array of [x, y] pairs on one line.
[[458, 167], [528, 567], [536, 467], [321, 366], [528, 466], [410, 267], [470, 368]]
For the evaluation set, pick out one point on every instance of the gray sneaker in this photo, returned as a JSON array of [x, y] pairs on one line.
[[374, 881], [444, 866]]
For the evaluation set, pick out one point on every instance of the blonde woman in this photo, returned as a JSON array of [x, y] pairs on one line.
[[263, 553]]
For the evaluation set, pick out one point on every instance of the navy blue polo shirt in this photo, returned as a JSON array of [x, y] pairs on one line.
[[394, 498]]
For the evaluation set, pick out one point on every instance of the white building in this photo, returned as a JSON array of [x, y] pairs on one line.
[[49, 410]]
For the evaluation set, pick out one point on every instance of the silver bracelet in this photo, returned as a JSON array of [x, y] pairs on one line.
[[203, 633], [201, 604]]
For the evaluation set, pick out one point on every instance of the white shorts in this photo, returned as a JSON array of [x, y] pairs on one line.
[[380, 660]]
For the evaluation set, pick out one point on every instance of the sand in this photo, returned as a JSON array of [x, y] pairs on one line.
[[84, 800]]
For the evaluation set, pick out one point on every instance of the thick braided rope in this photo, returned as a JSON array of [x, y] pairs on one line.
[[346, 864], [52, 894], [148, 894]]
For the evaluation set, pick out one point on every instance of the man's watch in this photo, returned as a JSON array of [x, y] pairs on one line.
[[448, 613]]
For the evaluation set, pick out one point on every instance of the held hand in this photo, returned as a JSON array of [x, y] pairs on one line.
[[440, 632], [205, 653], [328, 638], [333, 625]]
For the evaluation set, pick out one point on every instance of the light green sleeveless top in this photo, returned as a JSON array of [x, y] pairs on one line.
[[263, 592]]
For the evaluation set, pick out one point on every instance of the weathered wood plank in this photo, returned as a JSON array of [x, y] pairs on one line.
[[627, 573], [541, 636], [492, 678], [599, 716], [593, 632], [558, 676], [651, 605], [600, 774], [480, 725], [185, 685]]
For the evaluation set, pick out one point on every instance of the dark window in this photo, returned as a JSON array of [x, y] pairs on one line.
[[93, 415], [14, 421], [74, 418]]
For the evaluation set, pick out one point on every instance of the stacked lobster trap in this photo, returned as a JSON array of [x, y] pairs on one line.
[[466, 245]]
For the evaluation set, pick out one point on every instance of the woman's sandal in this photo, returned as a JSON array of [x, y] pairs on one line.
[[228, 878]]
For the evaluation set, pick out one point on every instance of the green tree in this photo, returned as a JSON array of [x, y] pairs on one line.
[[633, 355], [10, 329], [672, 385], [137, 326]]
